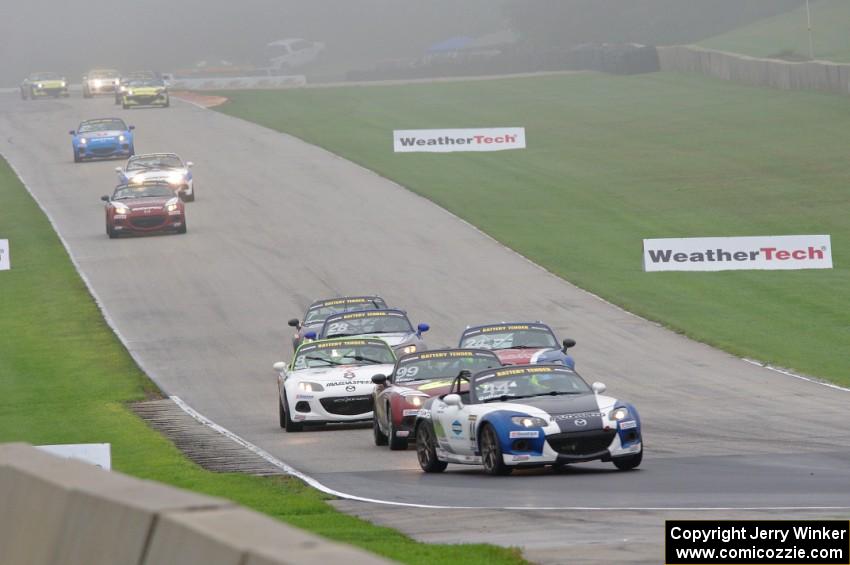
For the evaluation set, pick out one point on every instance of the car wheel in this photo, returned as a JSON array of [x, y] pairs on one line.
[[426, 450], [491, 452], [379, 436], [182, 228], [167, 103], [86, 93], [23, 94], [281, 414], [125, 106], [111, 232], [288, 424], [628, 462], [189, 197], [396, 443]]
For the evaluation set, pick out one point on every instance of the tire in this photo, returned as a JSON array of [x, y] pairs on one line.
[[396, 443], [288, 424], [125, 106], [491, 452], [167, 103], [23, 94], [628, 462], [426, 450], [281, 414], [379, 436], [190, 197], [111, 233], [76, 157], [86, 93], [182, 229]]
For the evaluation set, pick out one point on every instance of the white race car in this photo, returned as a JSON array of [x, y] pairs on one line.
[[331, 381], [160, 166], [526, 416]]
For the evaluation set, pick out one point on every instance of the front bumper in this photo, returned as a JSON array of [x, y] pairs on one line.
[[104, 88], [55, 92], [103, 150], [311, 408], [147, 223], [580, 447], [146, 100]]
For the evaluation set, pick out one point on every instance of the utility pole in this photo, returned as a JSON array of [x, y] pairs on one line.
[[811, 43]]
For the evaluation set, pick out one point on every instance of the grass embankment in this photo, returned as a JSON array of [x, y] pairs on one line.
[[786, 35], [65, 378], [613, 160]]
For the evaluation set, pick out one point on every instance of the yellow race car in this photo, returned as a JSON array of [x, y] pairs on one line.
[[40, 85], [145, 92]]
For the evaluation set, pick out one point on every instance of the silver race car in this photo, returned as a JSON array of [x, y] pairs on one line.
[[319, 310]]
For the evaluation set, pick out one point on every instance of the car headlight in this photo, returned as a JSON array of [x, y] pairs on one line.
[[529, 421], [415, 401], [408, 349], [121, 209], [122, 139], [83, 141], [310, 387], [98, 83], [171, 205], [175, 178], [63, 84], [138, 179], [129, 93], [618, 414], [39, 85]]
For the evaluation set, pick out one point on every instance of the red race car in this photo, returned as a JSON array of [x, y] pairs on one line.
[[415, 378], [147, 207]]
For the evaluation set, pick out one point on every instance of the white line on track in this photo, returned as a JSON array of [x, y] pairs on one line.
[[289, 470]]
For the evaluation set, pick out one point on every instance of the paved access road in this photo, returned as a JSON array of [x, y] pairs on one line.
[[279, 223]]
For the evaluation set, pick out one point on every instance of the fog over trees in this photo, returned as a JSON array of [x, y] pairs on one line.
[[71, 37]]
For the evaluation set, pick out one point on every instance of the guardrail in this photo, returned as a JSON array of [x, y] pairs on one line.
[[773, 73], [235, 83], [62, 511]]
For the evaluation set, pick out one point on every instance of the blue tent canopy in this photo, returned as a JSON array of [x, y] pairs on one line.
[[453, 44]]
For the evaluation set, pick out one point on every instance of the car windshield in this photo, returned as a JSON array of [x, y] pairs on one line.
[[105, 73], [147, 190], [103, 125], [137, 76], [154, 162], [525, 383], [318, 313], [366, 323], [443, 365], [45, 76], [334, 355], [505, 337]]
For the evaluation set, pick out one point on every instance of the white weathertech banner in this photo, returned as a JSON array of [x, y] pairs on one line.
[[5, 262], [451, 140], [783, 252]]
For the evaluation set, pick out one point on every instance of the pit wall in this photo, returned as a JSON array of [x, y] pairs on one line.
[[61, 511], [824, 76]]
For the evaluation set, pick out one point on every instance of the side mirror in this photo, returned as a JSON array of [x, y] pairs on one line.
[[422, 328], [104, 198], [294, 323], [310, 335], [189, 164], [72, 132], [598, 387], [379, 379], [119, 170], [453, 400], [131, 127], [568, 343], [280, 366]]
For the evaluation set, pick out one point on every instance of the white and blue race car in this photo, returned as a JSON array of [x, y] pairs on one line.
[[526, 416], [168, 167]]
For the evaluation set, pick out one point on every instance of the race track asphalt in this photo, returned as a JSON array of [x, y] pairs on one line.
[[279, 223]]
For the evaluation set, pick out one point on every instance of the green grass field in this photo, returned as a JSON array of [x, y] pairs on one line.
[[613, 160], [786, 34], [65, 378]]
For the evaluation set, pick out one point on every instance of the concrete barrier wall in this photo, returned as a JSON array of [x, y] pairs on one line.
[[773, 73], [61, 511]]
